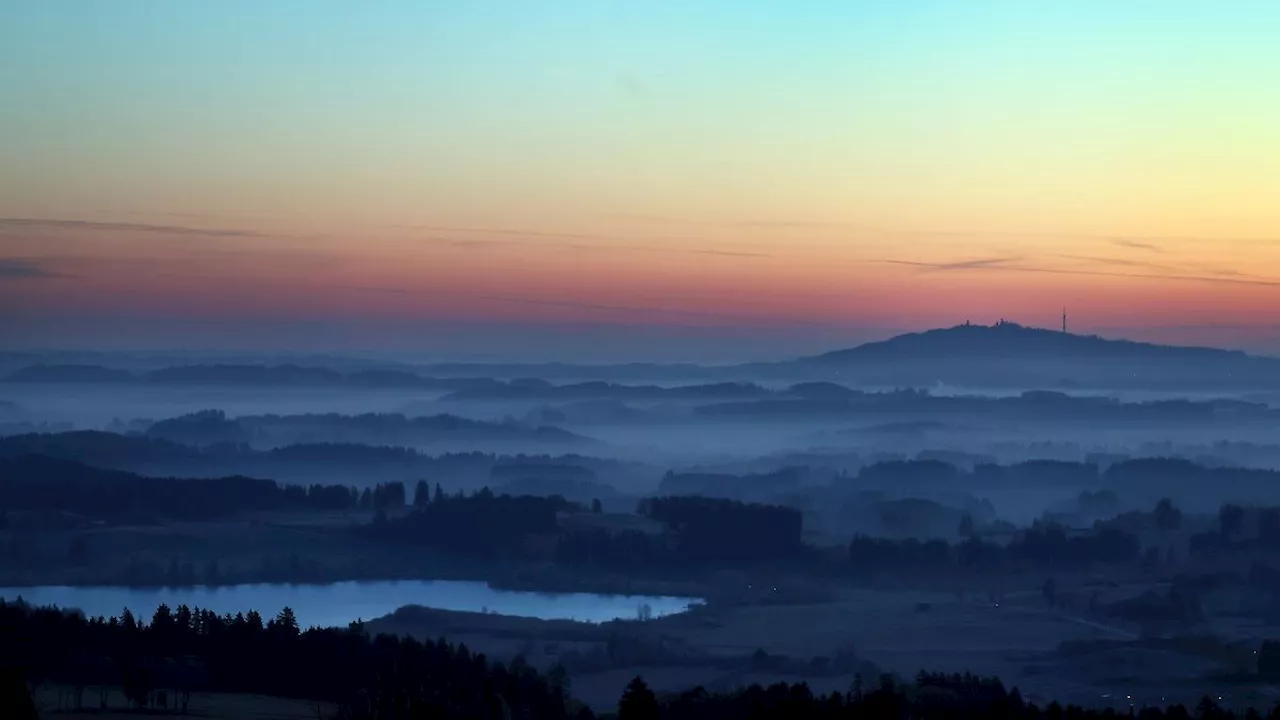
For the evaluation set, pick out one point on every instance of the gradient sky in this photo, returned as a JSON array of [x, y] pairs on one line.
[[655, 180]]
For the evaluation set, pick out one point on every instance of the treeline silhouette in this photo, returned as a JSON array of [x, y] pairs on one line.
[[931, 696], [150, 455], [1044, 546], [1183, 480], [159, 664], [742, 486], [717, 529], [242, 374], [698, 533], [741, 542], [213, 427], [482, 524], [1123, 475], [1168, 477], [43, 485], [1057, 406], [1240, 530], [534, 389]]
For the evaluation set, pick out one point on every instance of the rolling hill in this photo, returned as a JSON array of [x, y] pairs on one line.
[[1014, 356], [1012, 341]]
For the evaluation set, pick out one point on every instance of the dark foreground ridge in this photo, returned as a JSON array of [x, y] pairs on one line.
[[159, 665]]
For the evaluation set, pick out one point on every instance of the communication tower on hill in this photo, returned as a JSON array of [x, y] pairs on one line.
[[1064, 320]]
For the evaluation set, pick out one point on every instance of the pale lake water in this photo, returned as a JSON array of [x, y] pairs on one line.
[[338, 604]]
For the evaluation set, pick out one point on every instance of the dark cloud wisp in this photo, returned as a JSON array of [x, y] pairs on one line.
[[19, 269]]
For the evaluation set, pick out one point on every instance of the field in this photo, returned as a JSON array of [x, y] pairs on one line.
[[1046, 653], [58, 701]]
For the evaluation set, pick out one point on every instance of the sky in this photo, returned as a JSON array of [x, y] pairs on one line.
[[659, 180]]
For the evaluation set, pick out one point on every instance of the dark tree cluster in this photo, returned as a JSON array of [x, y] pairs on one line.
[[873, 555], [1043, 546], [630, 551], [1049, 545], [35, 484], [1150, 476], [830, 399], [388, 429], [900, 473], [522, 469], [1269, 661], [206, 427], [480, 525], [154, 456], [383, 496], [727, 531], [1044, 472], [1161, 612], [1234, 533], [184, 650], [264, 375], [102, 449], [715, 484], [531, 389], [1166, 516], [1185, 478]]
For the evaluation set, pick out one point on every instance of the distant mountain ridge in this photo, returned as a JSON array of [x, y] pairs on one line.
[[1002, 355], [1011, 340]]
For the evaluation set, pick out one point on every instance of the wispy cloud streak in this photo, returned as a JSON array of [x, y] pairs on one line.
[[1178, 277], [1137, 245], [122, 227], [976, 264]]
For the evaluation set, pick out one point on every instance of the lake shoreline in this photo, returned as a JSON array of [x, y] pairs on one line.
[[339, 604], [512, 581]]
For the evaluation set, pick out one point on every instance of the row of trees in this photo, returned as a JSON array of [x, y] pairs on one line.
[[482, 524], [212, 427], [1175, 477], [1269, 661], [189, 649], [719, 530], [631, 552], [931, 696], [1044, 546], [39, 484], [153, 456], [710, 532], [1239, 529], [43, 485], [699, 531]]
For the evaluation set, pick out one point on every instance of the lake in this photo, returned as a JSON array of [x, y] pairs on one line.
[[338, 604]]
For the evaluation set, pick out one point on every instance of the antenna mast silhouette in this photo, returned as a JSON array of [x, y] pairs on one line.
[[1064, 320]]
